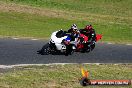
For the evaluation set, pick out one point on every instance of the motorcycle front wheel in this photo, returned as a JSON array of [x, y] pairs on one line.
[[46, 49], [69, 50]]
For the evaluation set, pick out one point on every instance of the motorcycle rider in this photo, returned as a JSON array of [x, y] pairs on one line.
[[90, 32], [73, 37], [74, 32]]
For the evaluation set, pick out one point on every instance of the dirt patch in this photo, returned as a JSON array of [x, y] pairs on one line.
[[12, 7], [4, 7]]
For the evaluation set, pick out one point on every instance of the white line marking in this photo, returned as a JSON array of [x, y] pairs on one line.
[[109, 43], [15, 38], [97, 63], [129, 44], [34, 39], [17, 65]]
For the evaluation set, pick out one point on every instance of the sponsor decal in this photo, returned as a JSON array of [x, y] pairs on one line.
[[85, 81]]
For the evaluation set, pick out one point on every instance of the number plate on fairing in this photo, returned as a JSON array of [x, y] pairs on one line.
[[63, 47]]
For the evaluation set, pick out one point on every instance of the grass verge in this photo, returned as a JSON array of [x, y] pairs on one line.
[[39, 20], [104, 7], [62, 76]]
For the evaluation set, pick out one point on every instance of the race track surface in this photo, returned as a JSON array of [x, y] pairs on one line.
[[24, 51]]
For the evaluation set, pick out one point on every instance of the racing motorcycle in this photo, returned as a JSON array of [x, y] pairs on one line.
[[84, 45], [60, 42]]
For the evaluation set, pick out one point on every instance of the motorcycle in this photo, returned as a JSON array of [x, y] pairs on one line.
[[85, 45], [60, 42]]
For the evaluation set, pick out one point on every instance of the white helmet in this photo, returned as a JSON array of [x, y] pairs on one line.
[[74, 26]]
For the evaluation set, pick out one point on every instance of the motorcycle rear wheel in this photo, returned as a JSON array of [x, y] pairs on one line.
[[92, 46]]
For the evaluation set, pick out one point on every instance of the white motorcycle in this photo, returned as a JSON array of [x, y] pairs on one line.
[[60, 42]]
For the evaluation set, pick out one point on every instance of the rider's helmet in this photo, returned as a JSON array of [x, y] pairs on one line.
[[74, 27], [88, 27]]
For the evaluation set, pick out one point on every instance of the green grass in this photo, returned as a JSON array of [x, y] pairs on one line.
[[62, 76], [28, 25], [107, 7], [111, 18]]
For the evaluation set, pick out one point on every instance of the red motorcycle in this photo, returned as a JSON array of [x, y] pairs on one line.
[[84, 45]]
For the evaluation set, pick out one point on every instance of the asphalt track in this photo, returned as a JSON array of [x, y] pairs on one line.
[[23, 51]]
